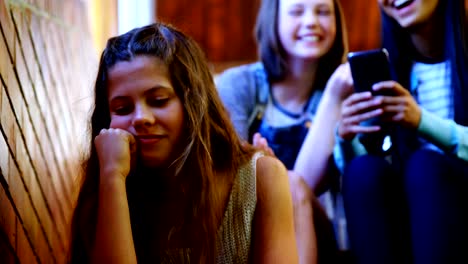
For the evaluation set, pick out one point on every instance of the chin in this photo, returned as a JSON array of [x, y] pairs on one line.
[[410, 26], [153, 161], [311, 57], [315, 53]]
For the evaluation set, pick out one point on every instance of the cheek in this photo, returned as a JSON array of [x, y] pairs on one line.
[[329, 25], [281, 32], [118, 122], [172, 118], [179, 122], [285, 27]]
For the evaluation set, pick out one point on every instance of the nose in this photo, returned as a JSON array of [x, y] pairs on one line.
[[142, 116], [310, 18]]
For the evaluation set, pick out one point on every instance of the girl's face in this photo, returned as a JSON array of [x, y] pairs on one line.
[[306, 28], [410, 13], [143, 102]]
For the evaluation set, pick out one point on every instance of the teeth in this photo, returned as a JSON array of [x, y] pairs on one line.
[[399, 3], [311, 38]]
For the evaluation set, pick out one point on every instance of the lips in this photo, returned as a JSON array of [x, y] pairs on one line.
[[149, 139]]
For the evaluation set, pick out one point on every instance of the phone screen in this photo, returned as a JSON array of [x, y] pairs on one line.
[[369, 67]]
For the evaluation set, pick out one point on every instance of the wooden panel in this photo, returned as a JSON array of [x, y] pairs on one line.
[[363, 23], [47, 66], [223, 28]]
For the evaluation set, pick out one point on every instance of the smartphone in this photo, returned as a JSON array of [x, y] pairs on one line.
[[369, 67]]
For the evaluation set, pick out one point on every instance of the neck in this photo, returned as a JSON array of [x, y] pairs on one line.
[[297, 85], [155, 179], [428, 39]]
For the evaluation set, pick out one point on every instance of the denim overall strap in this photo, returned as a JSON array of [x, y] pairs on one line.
[[314, 102], [262, 90]]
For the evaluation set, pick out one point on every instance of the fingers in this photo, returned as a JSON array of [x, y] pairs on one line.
[[117, 131], [115, 136], [349, 131], [393, 103], [115, 149], [261, 143], [360, 102], [390, 88], [340, 84], [356, 119], [356, 109]]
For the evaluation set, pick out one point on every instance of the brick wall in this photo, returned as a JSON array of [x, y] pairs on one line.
[[47, 66]]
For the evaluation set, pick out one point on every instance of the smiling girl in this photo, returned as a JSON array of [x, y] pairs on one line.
[[410, 206], [274, 102]]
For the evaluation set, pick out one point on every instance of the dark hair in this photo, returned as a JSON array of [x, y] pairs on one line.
[[273, 55], [401, 51], [212, 143]]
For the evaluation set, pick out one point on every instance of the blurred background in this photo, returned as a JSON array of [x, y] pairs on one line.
[[49, 51], [224, 28]]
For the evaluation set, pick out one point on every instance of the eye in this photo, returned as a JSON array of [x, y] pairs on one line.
[[158, 101], [324, 11], [296, 12], [122, 109]]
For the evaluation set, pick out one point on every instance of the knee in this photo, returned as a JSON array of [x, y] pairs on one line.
[[426, 168], [424, 159]]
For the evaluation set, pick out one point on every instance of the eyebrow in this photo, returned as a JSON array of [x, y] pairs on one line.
[[302, 5], [158, 88], [149, 91], [324, 5]]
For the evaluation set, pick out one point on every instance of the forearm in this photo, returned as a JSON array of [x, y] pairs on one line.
[[317, 148], [305, 233], [446, 134], [114, 241]]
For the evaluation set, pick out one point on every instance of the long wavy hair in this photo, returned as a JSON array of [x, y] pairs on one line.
[[401, 51], [212, 144], [273, 55]]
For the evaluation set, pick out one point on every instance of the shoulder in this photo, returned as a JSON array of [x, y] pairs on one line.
[[240, 75], [271, 177], [245, 69], [238, 86]]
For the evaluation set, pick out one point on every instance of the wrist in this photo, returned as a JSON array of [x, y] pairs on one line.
[[111, 176], [332, 99]]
